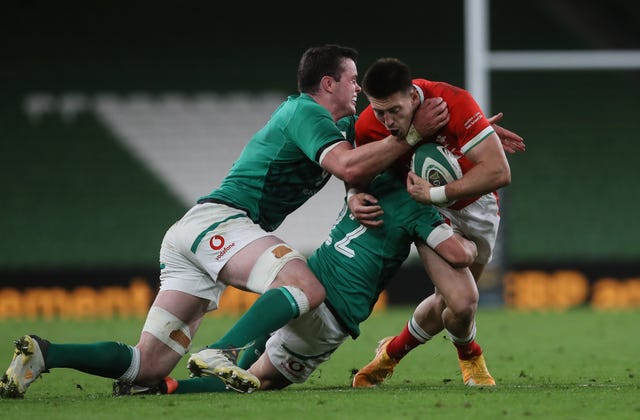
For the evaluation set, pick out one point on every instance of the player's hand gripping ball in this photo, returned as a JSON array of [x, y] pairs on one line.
[[437, 165]]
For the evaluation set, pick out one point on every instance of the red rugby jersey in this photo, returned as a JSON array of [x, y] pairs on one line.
[[466, 128]]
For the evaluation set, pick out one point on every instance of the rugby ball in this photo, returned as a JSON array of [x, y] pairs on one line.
[[437, 165]]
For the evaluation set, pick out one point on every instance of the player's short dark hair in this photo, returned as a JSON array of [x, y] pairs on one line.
[[385, 77], [325, 60]]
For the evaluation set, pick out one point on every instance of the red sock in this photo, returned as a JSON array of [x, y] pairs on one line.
[[402, 344], [170, 384], [468, 350]]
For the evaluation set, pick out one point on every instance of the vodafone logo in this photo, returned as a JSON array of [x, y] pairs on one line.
[[216, 242], [295, 366]]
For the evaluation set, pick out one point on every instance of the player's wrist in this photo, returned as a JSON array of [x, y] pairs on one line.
[[438, 195], [351, 192], [413, 137]]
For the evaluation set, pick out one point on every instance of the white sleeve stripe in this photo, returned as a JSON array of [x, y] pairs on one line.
[[477, 139], [440, 234], [327, 150]]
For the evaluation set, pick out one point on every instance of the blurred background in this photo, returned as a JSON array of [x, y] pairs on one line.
[[116, 116]]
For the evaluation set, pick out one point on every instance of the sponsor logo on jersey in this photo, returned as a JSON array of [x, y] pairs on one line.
[[469, 123]]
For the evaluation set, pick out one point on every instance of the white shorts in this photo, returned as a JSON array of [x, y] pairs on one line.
[[197, 247], [478, 222], [298, 348]]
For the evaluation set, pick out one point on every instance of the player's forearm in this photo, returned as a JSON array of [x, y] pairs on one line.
[[491, 171], [479, 180], [364, 162]]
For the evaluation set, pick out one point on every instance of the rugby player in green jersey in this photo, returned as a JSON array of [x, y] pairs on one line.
[[354, 264], [226, 240]]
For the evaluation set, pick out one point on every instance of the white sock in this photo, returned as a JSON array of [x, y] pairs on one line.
[[458, 340], [130, 374], [418, 333]]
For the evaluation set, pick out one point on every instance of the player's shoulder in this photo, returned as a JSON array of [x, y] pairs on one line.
[[463, 108], [443, 89], [347, 126], [303, 104], [450, 91], [301, 112]]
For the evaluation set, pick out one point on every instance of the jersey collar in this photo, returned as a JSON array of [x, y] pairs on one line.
[[420, 92]]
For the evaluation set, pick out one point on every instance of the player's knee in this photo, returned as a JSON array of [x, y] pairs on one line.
[[465, 306], [316, 294], [312, 288], [438, 302], [296, 274], [273, 384], [270, 377], [168, 329]]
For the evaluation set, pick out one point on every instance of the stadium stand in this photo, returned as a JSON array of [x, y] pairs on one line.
[[86, 191], [189, 143]]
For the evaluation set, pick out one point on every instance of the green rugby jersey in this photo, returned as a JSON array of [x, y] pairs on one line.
[[278, 169], [355, 263]]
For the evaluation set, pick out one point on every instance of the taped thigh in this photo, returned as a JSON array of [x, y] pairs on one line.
[[269, 264], [167, 328]]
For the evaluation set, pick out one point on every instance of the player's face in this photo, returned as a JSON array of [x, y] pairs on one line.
[[346, 90], [395, 111]]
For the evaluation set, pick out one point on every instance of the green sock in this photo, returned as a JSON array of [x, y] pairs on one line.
[[269, 312], [202, 384], [252, 352], [108, 359]]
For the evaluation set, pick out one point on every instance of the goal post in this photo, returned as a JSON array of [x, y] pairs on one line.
[[480, 60]]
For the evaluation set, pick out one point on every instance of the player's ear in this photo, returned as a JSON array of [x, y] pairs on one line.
[[326, 83]]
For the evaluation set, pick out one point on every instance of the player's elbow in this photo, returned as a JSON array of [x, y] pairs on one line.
[[352, 174], [345, 166], [357, 178], [506, 176], [501, 177]]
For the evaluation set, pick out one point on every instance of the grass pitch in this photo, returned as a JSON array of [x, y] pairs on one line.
[[579, 364]]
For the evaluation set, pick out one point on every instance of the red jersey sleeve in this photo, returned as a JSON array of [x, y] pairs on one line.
[[466, 128]]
